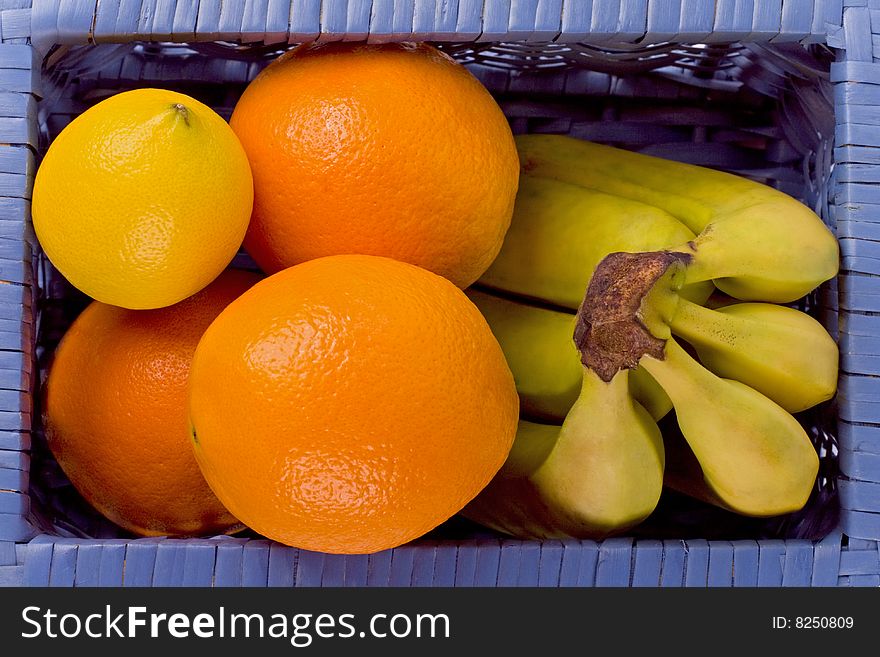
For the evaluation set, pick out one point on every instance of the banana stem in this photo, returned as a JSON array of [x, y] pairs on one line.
[[626, 309]]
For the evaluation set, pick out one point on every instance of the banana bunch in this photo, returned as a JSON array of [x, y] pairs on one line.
[[603, 300]]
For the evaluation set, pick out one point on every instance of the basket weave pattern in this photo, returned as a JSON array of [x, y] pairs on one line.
[[782, 92]]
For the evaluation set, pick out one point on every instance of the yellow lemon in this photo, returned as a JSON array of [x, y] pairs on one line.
[[143, 199]]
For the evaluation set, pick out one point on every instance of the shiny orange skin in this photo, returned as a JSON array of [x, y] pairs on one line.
[[350, 404], [391, 149], [116, 418]]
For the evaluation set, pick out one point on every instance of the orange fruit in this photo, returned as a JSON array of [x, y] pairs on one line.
[[115, 412], [350, 404], [393, 149]]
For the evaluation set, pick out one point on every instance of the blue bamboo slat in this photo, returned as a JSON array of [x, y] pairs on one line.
[[112, 564], [745, 563], [208, 19], [184, 21], [486, 567], [508, 563], [228, 564], [588, 561], [857, 32], [423, 564], [863, 496], [15, 440], [663, 21], [859, 437], [277, 22], [88, 560], [229, 24], [198, 564], [469, 20], [860, 562], [859, 465], [445, 557], [7, 553], [606, 21], [381, 21], [379, 569], [496, 17], [400, 572], [798, 567], [14, 503], [170, 563], [153, 563], [466, 565], [733, 18], [720, 572], [521, 22], [333, 574], [334, 20], [771, 554], [576, 18], [551, 564], [615, 559], [827, 14], [14, 527], [648, 560], [548, 20], [696, 566], [305, 20], [529, 564], [571, 561], [673, 568], [253, 21], [282, 565], [14, 460], [424, 19], [357, 568], [859, 524], [64, 560], [161, 26], [795, 21], [140, 562], [14, 421], [13, 479], [255, 563]]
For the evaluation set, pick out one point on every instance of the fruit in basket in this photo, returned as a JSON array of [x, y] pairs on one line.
[[115, 412], [392, 150], [779, 351], [753, 241], [539, 347], [756, 458], [350, 404], [143, 199], [597, 475], [560, 231]]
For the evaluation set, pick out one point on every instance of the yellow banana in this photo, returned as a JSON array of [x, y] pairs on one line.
[[560, 232], [755, 242], [538, 344], [755, 457], [597, 475], [781, 352]]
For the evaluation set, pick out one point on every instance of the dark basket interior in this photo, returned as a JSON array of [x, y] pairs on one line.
[[762, 112]]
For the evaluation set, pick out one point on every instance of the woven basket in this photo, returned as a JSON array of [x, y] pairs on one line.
[[781, 92]]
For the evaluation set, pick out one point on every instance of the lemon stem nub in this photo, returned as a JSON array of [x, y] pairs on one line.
[[181, 109]]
